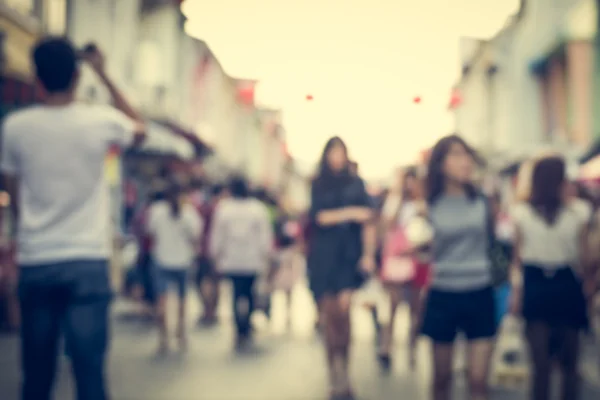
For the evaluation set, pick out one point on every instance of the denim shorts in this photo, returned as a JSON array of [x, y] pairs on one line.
[[171, 276]]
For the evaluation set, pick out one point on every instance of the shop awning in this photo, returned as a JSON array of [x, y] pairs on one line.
[[201, 148], [163, 141]]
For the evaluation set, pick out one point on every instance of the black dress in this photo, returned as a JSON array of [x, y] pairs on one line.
[[334, 251]]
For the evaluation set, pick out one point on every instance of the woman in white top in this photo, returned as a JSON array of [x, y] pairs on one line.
[[175, 227], [400, 211], [548, 274]]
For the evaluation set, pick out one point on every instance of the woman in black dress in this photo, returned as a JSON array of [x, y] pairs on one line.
[[341, 252]]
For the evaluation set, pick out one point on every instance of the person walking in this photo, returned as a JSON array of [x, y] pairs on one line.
[[549, 277], [461, 296], [175, 228], [400, 211], [53, 158], [207, 279], [340, 254], [241, 246]]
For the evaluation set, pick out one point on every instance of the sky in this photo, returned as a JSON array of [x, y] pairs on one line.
[[363, 61]]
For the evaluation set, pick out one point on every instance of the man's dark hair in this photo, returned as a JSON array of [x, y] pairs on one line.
[[239, 188], [55, 60]]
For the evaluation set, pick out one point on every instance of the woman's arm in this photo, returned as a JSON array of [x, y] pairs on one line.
[[588, 261], [515, 272], [320, 214]]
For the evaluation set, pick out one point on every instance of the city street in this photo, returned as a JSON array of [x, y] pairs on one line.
[[286, 366]]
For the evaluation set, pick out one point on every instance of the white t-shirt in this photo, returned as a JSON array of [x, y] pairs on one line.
[[58, 156], [175, 238], [242, 236], [551, 246]]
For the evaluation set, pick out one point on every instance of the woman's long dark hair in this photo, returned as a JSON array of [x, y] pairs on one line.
[[325, 173], [408, 173], [547, 185], [435, 181], [172, 196]]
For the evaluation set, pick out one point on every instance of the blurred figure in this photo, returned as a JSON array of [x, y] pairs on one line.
[[241, 245], [53, 159], [339, 254], [370, 306], [175, 228], [287, 275], [549, 273], [461, 297], [400, 211], [207, 279]]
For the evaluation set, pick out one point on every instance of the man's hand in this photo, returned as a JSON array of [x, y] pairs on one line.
[[94, 57]]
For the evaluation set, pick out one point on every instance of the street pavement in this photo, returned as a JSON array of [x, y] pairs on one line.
[[288, 364]]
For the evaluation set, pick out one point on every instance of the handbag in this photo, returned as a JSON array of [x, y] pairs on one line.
[[397, 268], [499, 253]]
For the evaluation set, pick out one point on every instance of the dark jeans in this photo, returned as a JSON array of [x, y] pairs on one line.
[[243, 289], [73, 296]]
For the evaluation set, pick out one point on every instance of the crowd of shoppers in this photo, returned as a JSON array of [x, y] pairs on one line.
[[435, 243]]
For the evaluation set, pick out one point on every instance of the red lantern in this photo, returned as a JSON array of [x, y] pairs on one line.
[[417, 100], [246, 95], [455, 99]]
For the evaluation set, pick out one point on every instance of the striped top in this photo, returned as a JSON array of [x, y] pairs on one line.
[[460, 247]]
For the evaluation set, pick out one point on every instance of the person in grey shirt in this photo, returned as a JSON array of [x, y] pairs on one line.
[[461, 297]]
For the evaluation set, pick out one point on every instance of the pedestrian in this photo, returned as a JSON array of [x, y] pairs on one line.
[[461, 296], [340, 254], [175, 227], [289, 272], [550, 276], [241, 246], [207, 279], [53, 158], [401, 210]]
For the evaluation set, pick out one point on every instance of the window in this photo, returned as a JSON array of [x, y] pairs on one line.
[[55, 15]]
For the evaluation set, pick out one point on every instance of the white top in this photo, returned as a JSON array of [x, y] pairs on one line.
[[58, 156], [408, 212], [175, 239], [551, 246], [242, 236]]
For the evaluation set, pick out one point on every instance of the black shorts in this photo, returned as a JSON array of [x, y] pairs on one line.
[[555, 299], [472, 313], [204, 270]]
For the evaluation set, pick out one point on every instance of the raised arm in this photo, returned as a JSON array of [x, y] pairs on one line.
[[94, 57]]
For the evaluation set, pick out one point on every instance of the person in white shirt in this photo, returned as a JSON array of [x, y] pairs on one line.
[[175, 227], [53, 159], [241, 246], [550, 274]]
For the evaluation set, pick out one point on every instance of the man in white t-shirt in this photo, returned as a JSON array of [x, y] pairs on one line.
[[52, 162]]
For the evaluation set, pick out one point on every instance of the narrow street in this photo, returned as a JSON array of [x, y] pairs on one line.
[[287, 366]]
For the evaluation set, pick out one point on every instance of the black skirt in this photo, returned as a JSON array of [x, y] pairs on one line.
[[554, 297]]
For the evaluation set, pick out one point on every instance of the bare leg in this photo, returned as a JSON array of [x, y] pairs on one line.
[[443, 354], [479, 356], [181, 333], [161, 321], [538, 337], [568, 359], [387, 333]]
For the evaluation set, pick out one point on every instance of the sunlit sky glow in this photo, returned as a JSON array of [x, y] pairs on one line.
[[363, 61]]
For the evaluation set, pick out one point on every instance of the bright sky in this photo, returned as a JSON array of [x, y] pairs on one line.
[[363, 61]]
